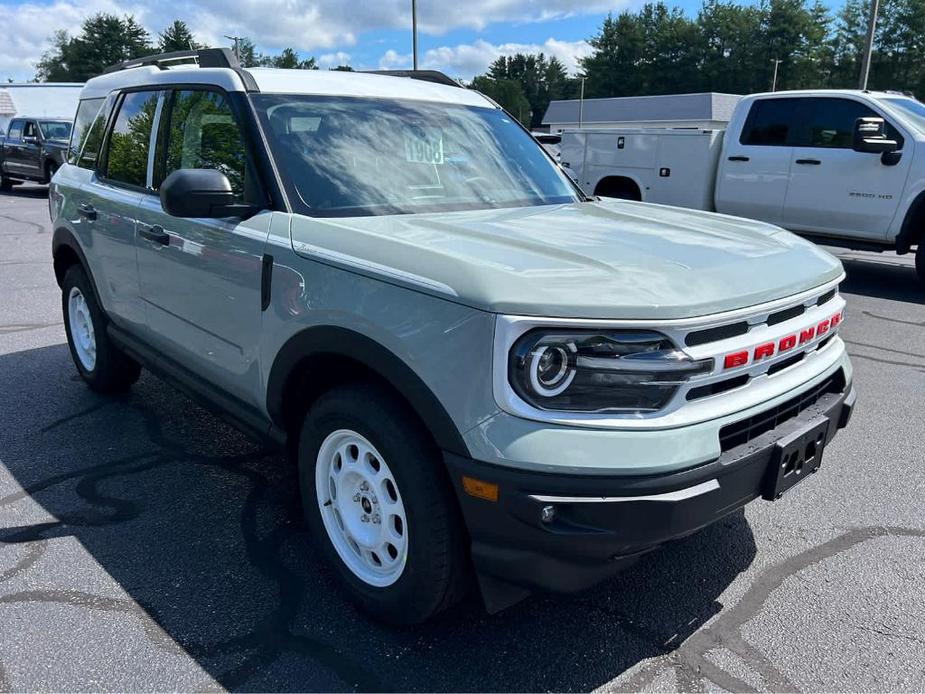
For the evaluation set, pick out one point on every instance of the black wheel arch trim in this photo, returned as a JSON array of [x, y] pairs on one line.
[[332, 340], [911, 233], [64, 237]]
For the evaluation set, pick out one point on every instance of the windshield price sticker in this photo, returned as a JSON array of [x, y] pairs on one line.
[[424, 149]]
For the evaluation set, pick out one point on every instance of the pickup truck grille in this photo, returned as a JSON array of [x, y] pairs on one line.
[[742, 432]]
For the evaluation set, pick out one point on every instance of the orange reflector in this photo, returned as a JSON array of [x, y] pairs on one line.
[[480, 489]]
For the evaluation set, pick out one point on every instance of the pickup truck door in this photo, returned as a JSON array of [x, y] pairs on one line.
[[835, 190], [10, 158], [755, 163], [201, 278], [30, 149]]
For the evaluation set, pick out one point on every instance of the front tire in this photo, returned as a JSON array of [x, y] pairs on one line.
[[51, 168], [379, 506], [98, 360]]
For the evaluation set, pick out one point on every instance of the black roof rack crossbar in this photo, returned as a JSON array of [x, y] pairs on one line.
[[204, 57], [423, 75]]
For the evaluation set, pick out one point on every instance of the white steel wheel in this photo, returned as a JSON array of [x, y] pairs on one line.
[[361, 508], [81, 324]]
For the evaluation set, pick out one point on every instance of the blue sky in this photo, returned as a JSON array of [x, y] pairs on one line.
[[460, 37]]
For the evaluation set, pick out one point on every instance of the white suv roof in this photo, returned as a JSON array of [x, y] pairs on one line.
[[275, 81]]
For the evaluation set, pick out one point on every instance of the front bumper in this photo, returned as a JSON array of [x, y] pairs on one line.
[[602, 524]]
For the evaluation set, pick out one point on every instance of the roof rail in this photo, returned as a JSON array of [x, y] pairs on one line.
[[423, 75], [204, 57]]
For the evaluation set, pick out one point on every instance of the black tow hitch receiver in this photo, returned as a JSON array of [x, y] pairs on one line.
[[796, 457]]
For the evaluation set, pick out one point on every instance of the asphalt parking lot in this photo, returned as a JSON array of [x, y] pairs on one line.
[[144, 545]]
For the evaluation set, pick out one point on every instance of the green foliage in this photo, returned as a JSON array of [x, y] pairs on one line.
[[508, 93], [104, 40], [289, 60], [540, 79], [177, 37]]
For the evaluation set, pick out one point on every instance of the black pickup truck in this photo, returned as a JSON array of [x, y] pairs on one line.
[[32, 150]]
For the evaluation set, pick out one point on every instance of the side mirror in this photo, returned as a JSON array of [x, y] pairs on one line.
[[870, 136], [204, 193]]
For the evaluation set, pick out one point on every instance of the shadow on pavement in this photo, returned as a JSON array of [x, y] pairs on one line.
[[26, 191], [203, 532], [883, 277]]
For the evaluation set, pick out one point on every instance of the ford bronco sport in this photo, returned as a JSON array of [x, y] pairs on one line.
[[485, 376]]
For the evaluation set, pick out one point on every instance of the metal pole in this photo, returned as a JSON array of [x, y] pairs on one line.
[[774, 79], [869, 44], [414, 32], [236, 49], [581, 103]]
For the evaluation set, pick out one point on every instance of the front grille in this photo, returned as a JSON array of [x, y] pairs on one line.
[[786, 314], [742, 432], [723, 332]]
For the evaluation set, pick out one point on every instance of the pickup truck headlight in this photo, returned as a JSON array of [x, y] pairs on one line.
[[599, 371]]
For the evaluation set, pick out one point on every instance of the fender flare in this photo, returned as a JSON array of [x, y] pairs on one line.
[[65, 238], [909, 233], [332, 340]]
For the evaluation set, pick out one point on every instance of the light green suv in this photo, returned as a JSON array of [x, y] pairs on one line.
[[486, 378]]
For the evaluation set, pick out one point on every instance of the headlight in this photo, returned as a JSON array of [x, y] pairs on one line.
[[600, 371]]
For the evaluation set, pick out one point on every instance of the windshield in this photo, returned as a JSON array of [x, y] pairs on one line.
[[913, 111], [353, 156], [56, 130]]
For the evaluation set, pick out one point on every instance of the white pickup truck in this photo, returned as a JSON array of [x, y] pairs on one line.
[[842, 167]]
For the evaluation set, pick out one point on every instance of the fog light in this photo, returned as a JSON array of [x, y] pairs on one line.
[[548, 514]]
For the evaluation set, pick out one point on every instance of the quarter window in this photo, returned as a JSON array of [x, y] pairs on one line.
[[129, 141], [86, 117], [203, 134], [770, 123]]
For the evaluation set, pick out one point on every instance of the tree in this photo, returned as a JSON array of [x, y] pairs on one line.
[[177, 37], [507, 93], [612, 70], [104, 40], [290, 60], [342, 68], [541, 80]]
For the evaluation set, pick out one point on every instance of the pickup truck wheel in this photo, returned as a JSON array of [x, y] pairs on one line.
[[98, 360], [920, 260], [6, 185], [379, 506]]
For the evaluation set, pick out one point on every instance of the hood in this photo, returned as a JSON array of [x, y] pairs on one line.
[[584, 260]]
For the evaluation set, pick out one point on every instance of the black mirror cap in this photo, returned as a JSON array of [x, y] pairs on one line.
[[870, 136], [203, 193]]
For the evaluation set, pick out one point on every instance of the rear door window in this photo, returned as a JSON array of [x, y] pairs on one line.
[[31, 129], [15, 133], [771, 123], [129, 141]]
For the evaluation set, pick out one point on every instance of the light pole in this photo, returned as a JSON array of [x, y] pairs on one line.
[[414, 33], [869, 44], [581, 103], [774, 79]]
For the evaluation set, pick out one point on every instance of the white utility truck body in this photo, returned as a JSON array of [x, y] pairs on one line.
[[788, 158]]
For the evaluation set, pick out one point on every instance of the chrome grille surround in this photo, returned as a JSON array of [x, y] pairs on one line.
[[680, 411]]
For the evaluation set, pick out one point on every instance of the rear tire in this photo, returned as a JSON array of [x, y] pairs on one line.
[[379, 506], [6, 185], [100, 363]]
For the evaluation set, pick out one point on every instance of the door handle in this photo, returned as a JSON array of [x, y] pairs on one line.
[[154, 233], [738, 157], [87, 211], [813, 162]]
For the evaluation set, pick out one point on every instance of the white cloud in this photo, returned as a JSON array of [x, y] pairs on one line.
[[334, 59], [309, 26], [467, 60], [393, 60]]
